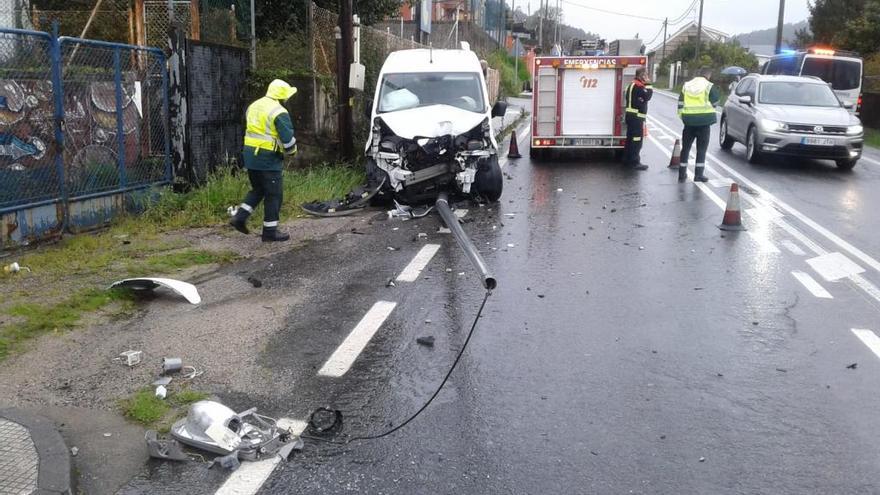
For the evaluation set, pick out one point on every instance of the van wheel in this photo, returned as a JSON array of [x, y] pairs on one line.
[[846, 164], [752, 151], [489, 181], [724, 137]]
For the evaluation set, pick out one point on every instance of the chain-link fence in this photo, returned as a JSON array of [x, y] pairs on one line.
[[215, 21], [106, 102]]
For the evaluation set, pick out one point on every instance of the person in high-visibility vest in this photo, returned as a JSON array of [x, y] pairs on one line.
[[268, 137], [696, 107], [637, 95]]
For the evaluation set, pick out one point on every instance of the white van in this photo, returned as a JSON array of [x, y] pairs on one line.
[[432, 129], [842, 70]]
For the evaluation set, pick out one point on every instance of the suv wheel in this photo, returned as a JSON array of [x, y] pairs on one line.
[[723, 137], [846, 164], [752, 151]]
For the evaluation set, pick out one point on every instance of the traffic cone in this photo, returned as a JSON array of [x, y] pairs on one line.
[[675, 160], [732, 216], [513, 152]]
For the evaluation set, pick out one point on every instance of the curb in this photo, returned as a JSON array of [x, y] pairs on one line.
[[54, 476]]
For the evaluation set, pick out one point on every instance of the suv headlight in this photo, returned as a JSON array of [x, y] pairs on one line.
[[854, 129], [772, 125]]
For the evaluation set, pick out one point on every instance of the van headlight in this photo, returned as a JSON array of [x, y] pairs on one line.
[[854, 129], [771, 125]]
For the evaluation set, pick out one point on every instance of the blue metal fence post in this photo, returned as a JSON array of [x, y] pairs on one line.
[[58, 93], [120, 127], [166, 120]]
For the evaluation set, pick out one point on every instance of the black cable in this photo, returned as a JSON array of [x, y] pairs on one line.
[[686, 13], [425, 406]]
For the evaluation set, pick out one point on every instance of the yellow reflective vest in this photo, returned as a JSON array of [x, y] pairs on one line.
[[260, 132]]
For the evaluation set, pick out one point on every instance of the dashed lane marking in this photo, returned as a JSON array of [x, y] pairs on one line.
[[811, 285], [419, 262], [793, 248], [834, 266], [251, 476], [868, 338], [854, 251], [345, 355], [722, 182]]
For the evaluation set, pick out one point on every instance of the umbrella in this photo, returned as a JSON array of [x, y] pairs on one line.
[[734, 71]]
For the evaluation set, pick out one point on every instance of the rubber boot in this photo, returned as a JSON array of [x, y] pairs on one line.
[[682, 172], [271, 234], [698, 175], [239, 220]]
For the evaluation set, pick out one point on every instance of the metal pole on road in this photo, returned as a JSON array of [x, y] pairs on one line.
[[464, 241], [699, 32], [779, 26], [665, 24]]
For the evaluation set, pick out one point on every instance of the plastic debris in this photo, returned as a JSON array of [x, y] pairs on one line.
[[108, 435], [164, 448], [229, 462], [257, 283], [702, 459], [163, 381], [422, 235], [161, 392], [426, 341], [390, 283], [74, 451], [190, 372], [852, 366], [132, 358], [443, 230], [187, 290]]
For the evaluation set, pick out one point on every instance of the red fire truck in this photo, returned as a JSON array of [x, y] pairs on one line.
[[578, 102]]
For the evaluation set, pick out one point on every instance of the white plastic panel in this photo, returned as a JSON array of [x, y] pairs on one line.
[[588, 102]]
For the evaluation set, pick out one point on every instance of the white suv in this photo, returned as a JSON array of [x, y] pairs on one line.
[[432, 128]]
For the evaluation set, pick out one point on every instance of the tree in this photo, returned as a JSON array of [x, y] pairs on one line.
[[828, 18], [275, 18], [713, 54]]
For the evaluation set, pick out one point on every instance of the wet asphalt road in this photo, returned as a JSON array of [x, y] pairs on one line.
[[631, 346]]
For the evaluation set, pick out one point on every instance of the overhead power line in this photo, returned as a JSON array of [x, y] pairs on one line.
[[622, 14]]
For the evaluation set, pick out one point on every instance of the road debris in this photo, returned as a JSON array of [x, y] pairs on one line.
[[187, 290], [702, 459], [352, 202], [73, 451], [257, 283], [390, 283], [131, 358], [161, 392], [782, 370], [426, 341], [15, 268], [229, 462], [163, 381], [164, 448], [171, 365], [852, 366], [443, 230], [213, 427]]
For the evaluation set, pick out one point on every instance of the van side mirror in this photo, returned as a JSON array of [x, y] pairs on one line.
[[499, 109], [745, 99]]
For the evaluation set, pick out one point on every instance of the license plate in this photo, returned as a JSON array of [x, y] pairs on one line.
[[589, 142], [814, 141]]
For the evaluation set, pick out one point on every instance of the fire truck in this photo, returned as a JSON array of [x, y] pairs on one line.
[[578, 102]]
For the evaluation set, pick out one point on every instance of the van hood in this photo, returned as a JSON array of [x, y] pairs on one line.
[[431, 121], [809, 115]]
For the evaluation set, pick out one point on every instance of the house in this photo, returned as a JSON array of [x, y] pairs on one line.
[[683, 35], [447, 10]]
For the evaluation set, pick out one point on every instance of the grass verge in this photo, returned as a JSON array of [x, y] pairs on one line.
[[872, 137], [152, 412]]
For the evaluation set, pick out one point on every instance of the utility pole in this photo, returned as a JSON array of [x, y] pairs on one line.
[[556, 25], [541, 24], [699, 31], [665, 24], [254, 38], [779, 26], [346, 49]]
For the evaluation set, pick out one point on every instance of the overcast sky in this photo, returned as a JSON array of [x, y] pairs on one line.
[[730, 16]]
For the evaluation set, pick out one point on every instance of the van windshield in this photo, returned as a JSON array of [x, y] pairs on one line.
[[458, 89], [842, 74], [812, 94]]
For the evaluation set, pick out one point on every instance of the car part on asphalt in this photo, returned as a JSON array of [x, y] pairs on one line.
[[171, 365], [464, 242], [426, 341], [354, 201], [187, 290], [213, 427], [164, 381], [131, 358], [325, 421], [229, 462], [164, 448]]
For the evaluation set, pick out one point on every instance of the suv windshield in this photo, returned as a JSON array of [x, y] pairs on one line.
[[842, 74], [457, 89], [797, 93]]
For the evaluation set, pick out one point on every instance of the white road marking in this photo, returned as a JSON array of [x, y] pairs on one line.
[[868, 338], [870, 160], [810, 283], [703, 187], [793, 248], [834, 266], [722, 182], [340, 362], [419, 262], [461, 212], [251, 476], [764, 243], [854, 251]]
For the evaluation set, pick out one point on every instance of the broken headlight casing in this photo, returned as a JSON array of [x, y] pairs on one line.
[[213, 427]]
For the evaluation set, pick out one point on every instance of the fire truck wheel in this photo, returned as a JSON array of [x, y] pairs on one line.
[[489, 182]]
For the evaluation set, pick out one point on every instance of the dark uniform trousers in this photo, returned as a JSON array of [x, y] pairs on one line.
[[266, 186], [635, 129]]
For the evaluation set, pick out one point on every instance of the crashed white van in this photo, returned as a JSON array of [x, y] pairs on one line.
[[432, 128]]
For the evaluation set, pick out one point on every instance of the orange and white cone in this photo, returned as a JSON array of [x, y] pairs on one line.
[[732, 215], [513, 152], [675, 159]]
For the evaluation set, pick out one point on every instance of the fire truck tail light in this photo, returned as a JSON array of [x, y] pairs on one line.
[[545, 142]]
